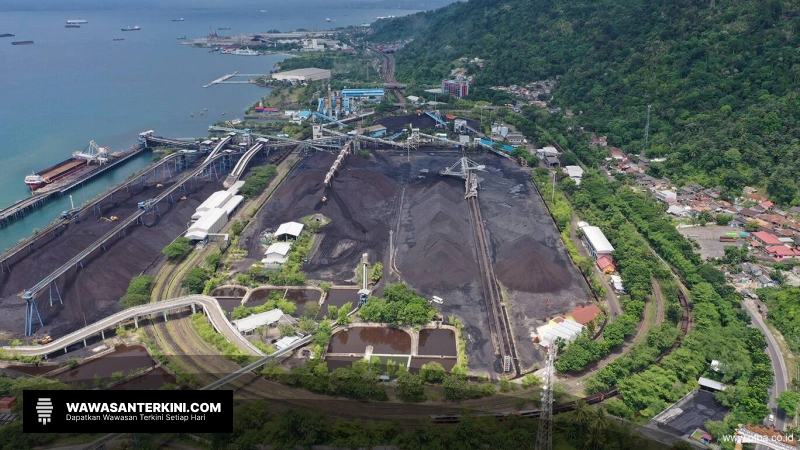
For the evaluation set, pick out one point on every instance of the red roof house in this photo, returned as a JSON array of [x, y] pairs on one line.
[[606, 264], [584, 314], [765, 238]]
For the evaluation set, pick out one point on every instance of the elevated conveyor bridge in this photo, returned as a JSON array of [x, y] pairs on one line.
[[119, 230], [238, 169], [210, 307]]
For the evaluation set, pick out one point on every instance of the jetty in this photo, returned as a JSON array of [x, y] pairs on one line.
[[221, 79]]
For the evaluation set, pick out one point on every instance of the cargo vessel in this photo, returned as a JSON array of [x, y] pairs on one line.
[[22, 43], [76, 21], [136, 28], [71, 26], [178, 20], [78, 162]]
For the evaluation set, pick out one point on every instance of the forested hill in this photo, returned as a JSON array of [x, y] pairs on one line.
[[723, 81]]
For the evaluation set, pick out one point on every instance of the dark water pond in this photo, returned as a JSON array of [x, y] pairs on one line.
[[235, 292], [124, 358], [437, 342], [382, 340], [416, 363], [148, 382]]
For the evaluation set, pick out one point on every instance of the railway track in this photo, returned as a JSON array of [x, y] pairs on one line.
[[498, 317], [687, 323]]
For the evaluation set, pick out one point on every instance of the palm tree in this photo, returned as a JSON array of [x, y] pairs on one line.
[[595, 439], [599, 420], [582, 413]]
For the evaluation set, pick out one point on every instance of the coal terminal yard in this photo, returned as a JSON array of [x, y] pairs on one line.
[[432, 233], [123, 257]]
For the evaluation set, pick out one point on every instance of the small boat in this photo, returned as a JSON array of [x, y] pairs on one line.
[[119, 39], [223, 113], [191, 114], [178, 20], [201, 113], [263, 10], [224, 28], [205, 109], [7, 35], [71, 26], [181, 38], [328, 19], [134, 28], [22, 43]]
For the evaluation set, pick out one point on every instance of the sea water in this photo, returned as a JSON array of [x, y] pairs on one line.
[[78, 84]]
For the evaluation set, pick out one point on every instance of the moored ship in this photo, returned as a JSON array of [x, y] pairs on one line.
[[135, 28], [78, 162], [76, 21], [22, 43], [7, 35], [69, 25]]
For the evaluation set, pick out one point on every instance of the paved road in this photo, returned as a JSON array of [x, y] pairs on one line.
[[210, 305], [778, 364]]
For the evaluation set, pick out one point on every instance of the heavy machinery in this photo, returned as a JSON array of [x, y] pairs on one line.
[[324, 199], [45, 340]]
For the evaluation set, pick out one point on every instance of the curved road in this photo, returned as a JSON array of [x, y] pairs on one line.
[[778, 364], [209, 304]]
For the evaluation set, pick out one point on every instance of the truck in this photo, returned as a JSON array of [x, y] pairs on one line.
[[727, 239]]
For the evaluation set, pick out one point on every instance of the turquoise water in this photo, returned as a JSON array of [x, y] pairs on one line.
[[77, 85]]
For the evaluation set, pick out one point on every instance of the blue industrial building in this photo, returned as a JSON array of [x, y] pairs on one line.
[[348, 100]]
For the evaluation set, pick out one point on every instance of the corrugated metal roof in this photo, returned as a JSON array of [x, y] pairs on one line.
[[250, 323], [292, 228], [598, 240], [711, 384], [279, 248], [232, 204]]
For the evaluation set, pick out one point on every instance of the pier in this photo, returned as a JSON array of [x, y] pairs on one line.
[[221, 79], [224, 79]]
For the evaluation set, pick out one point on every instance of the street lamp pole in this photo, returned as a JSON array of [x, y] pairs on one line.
[[553, 200]]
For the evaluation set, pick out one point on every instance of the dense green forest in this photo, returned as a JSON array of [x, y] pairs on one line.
[[722, 76]]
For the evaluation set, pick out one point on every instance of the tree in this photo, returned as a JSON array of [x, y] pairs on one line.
[[177, 249], [342, 316], [307, 326], [410, 388], [751, 226], [287, 329], [723, 219], [195, 280], [432, 372], [455, 387], [789, 401], [236, 228]]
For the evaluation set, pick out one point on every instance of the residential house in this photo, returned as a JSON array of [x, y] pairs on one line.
[[515, 138], [667, 196], [552, 161], [748, 213], [606, 264], [752, 269], [601, 141], [584, 314], [544, 152], [763, 239], [747, 190], [677, 211], [7, 404], [764, 281], [757, 197], [781, 252], [616, 154]]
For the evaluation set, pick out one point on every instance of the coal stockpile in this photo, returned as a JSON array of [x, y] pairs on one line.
[[528, 266], [92, 292], [395, 124], [360, 205], [438, 259]]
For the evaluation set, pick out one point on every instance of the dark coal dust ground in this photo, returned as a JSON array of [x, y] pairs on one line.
[[434, 244]]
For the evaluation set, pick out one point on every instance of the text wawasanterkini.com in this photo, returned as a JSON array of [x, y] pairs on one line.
[[140, 411]]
